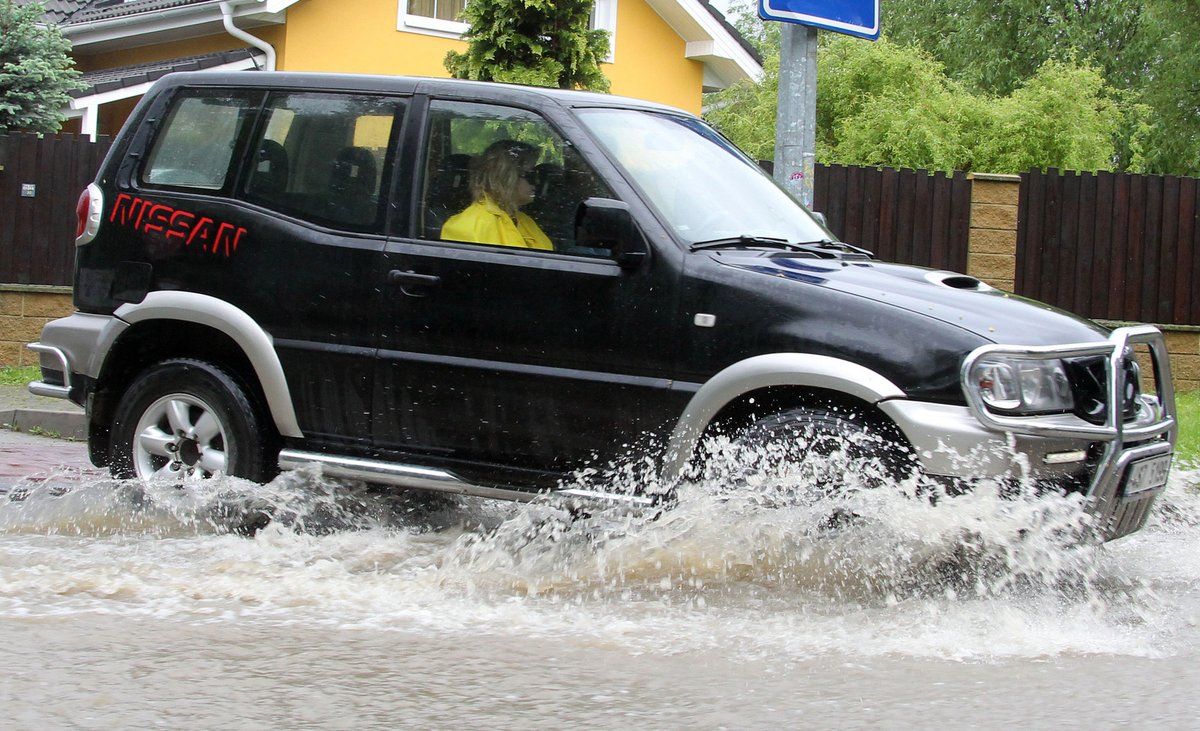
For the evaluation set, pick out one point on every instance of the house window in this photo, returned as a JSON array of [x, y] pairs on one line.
[[440, 9], [435, 17], [441, 18]]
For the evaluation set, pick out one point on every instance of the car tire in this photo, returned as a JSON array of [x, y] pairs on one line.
[[187, 419], [868, 452]]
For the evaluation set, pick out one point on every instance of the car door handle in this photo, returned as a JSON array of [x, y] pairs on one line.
[[396, 276]]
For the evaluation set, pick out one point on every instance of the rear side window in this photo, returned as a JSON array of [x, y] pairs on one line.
[[195, 145], [324, 157]]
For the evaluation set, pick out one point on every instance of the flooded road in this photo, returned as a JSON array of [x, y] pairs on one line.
[[131, 607]]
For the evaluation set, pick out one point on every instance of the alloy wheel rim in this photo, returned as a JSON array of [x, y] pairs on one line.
[[179, 436]]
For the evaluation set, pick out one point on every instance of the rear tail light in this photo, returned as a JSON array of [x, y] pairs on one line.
[[87, 212]]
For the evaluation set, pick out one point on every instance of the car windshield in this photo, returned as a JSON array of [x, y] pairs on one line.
[[702, 186]]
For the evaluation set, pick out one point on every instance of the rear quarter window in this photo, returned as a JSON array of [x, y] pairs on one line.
[[194, 146]]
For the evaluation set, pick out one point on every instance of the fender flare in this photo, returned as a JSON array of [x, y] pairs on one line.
[[763, 371], [256, 344]]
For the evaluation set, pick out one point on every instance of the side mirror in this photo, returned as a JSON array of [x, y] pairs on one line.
[[603, 223]]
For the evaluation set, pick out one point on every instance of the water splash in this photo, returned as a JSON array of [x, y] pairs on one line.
[[741, 559]]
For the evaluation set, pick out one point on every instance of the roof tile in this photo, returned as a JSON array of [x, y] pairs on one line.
[[120, 77]]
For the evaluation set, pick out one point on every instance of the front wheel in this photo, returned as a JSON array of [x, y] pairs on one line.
[[822, 450], [188, 419]]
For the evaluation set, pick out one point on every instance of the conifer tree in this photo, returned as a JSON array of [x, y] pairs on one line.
[[36, 72], [535, 42]]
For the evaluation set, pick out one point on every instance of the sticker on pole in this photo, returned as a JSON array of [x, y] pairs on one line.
[[854, 17]]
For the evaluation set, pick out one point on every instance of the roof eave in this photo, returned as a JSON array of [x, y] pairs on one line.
[[170, 24], [709, 41]]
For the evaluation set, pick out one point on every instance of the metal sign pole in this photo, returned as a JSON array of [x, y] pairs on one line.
[[796, 112]]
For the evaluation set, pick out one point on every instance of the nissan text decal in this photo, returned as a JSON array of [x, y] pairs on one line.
[[175, 224]]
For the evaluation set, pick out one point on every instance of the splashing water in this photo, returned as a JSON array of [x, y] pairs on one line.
[[753, 561]]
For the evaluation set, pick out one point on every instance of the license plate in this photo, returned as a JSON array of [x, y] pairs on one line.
[[1147, 474]]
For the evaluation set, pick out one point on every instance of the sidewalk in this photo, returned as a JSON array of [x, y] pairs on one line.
[[22, 411]]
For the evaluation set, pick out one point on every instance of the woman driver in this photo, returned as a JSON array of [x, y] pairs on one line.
[[500, 185]]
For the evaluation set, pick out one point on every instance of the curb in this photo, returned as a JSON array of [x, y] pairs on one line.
[[61, 424]]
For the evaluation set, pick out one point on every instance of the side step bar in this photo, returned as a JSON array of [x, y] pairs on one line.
[[426, 478]]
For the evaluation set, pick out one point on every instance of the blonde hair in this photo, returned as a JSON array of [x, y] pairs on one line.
[[495, 173]]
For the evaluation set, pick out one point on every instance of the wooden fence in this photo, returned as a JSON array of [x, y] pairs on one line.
[[1111, 245], [40, 183], [908, 216]]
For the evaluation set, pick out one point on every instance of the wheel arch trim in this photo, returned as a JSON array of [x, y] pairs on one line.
[[255, 343], [801, 370]]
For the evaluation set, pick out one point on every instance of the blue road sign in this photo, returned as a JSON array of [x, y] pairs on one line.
[[854, 17]]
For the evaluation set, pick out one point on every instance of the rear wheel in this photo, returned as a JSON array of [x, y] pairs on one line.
[[188, 419]]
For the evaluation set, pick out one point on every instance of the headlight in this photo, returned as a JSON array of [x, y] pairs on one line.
[[1022, 386]]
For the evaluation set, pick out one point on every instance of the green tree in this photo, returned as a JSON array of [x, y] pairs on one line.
[[536, 42], [883, 104], [745, 112], [1146, 49], [36, 72]]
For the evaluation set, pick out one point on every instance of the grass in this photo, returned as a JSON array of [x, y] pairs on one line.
[[1187, 449], [14, 376]]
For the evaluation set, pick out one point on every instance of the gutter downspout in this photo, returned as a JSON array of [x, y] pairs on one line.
[[241, 35]]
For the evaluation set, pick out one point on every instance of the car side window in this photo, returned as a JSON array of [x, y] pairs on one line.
[[502, 176], [196, 141], [324, 157]]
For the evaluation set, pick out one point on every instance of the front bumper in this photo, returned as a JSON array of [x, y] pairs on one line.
[[1118, 464]]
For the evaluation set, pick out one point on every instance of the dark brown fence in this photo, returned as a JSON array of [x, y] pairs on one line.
[[1108, 246], [1111, 245], [907, 216], [40, 182]]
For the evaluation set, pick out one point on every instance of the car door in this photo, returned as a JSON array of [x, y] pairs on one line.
[[546, 360], [318, 162]]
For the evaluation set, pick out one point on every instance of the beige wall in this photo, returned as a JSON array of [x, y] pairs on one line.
[[23, 312], [992, 244]]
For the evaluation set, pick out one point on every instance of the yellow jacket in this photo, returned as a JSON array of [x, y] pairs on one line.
[[483, 222]]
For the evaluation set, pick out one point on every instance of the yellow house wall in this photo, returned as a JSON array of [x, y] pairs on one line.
[[323, 36], [649, 60], [326, 35]]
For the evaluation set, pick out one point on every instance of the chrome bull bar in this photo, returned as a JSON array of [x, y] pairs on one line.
[[1152, 430]]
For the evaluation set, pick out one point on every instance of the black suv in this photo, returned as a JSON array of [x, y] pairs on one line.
[[262, 282]]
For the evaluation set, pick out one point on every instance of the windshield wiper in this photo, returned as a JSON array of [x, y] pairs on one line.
[[743, 242], [824, 249], [830, 249]]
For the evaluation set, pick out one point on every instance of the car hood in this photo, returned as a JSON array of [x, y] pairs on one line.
[[955, 299]]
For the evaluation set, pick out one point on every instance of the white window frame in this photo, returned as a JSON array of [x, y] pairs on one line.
[[604, 13], [427, 25], [605, 16]]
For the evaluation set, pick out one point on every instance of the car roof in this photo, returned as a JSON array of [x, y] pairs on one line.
[[483, 90]]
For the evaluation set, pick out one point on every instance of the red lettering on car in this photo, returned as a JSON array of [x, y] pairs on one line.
[[175, 224], [181, 222]]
